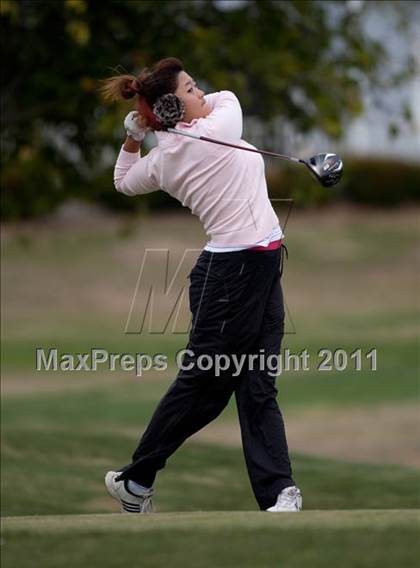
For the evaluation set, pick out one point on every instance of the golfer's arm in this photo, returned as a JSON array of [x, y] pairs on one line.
[[134, 175], [225, 120], [211, 99]]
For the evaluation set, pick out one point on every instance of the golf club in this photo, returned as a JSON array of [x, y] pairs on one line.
[[326, 168]]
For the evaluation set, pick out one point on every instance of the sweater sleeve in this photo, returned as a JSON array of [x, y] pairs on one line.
[[134, 175], [211, 99], [225, 119]]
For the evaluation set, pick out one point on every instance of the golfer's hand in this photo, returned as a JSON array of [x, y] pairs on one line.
[[135, 126]]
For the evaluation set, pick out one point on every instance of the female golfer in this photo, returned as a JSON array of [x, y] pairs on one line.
[[235, 293]]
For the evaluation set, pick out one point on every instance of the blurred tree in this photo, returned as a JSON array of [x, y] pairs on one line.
[[304, 60]]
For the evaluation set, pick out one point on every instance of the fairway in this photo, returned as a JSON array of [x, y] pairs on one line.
[[364, 538], [214, 520], [352, 434]]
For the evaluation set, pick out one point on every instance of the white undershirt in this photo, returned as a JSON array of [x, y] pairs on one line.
[[275, 235]]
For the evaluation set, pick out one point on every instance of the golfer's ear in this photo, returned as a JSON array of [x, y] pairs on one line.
[[225, 120]]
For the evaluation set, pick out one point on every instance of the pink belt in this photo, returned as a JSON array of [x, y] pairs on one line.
[[273, 245]]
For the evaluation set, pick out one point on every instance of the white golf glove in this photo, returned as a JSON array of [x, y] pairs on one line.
[[133, 128]]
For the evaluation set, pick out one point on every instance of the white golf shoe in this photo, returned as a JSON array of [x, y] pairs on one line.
[[129, 503], [288, 501]]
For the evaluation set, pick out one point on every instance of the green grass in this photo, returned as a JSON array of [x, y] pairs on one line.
[[365, 539], [349, 283], [391, 382], [64, 442], [65, 458]]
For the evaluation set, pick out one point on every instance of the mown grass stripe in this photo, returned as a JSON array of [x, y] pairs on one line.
[[336, 520]]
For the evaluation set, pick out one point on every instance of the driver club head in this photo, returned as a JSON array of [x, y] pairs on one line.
[[327, 168]]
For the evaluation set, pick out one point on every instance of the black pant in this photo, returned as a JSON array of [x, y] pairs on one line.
[[237, 308]]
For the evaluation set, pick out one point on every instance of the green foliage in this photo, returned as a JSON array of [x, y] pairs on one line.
[[379, 181], [305, 61], [35, 183], [292, 182]]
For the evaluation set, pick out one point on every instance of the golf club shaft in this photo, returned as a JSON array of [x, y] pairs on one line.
[[265, 152]]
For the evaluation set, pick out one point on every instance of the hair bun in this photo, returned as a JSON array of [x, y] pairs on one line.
[[169, 109], [135, 85], [130, 88]]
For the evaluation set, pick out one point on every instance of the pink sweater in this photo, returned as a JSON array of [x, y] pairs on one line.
[[225, 187]]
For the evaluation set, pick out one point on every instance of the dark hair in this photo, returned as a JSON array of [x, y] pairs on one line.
[[148, 86]]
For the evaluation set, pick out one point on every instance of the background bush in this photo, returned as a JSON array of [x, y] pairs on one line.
[[369, 181], [380, 181], [366, 181]]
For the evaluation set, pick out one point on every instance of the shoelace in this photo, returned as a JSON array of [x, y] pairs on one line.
[[147, 505], [288, 497]]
